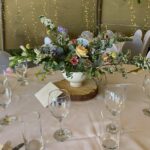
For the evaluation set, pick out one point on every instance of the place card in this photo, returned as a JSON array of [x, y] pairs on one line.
[[1, 146], [43, 94]]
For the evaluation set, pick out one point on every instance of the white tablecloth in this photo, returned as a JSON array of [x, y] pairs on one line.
[[84, 119]]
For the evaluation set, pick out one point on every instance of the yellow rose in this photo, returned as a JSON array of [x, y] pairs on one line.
[[114, 55], [27, 46], [81, 51]]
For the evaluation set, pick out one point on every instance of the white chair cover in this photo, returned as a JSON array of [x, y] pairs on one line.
[[148, 55], [146, 37], [134, 46], [146, 45], [138, 33], [4, 58], [113, 48], [110, 33]]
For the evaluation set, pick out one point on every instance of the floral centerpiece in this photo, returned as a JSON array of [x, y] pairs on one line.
[[86, 54]]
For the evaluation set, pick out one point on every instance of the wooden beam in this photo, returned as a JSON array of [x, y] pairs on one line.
[[2, 34]]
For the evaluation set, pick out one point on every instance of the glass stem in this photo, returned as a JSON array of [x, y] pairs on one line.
[[61, 124], [148, 108], [113, 121]]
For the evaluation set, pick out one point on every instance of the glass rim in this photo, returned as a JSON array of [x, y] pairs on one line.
[[68, 94], [24, 116], [119, 85], [147, 76]]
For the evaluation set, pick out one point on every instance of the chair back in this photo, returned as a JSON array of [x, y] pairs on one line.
[[134, 46], [4, 58], [110, 33], [138, 33], [146, 46], [148, 55], [146, 37]]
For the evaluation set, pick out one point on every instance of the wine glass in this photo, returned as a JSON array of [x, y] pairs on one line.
[[5, 100], [146, 88], [5, 96], [59, 105], [3, 74], [115, 96], [21, 70]]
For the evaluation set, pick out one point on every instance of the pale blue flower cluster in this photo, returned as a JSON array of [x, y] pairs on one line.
[[83, 42]]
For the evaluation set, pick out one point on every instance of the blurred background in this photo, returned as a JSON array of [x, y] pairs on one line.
[[22, 24]]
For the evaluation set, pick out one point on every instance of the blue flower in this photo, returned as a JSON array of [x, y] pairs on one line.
[[87, 35], [47, 41], [83, 42]]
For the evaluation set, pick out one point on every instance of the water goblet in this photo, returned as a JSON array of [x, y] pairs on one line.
[[21, 70], [59, 105], [146, 88], [115, 96]]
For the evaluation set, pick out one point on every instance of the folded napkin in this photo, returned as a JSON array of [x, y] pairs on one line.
[[43, 94], [1, 146]]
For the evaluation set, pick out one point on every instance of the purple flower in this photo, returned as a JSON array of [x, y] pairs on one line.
[[62, 30]]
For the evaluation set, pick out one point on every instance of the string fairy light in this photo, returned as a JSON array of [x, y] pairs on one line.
[[88, 11], [85, 6], [132, 12], [147, 17], [56, 11], [21, 19], [34, 21], [44, 7], [93, 16]]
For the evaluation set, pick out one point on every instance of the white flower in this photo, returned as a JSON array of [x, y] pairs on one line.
[[47, 41], [22, 47], [11, 58], [24, 54], [47, 22], [37, 51]]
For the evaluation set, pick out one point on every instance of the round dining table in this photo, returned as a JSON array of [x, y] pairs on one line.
[[84, 119]]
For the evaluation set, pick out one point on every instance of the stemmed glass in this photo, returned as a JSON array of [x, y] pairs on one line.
[[5, 95], [115, 96], [146, 88], [5, 100], [21, 70], [59, 105]]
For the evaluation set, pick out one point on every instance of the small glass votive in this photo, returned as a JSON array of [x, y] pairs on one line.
[[109, 140], [32, 131]]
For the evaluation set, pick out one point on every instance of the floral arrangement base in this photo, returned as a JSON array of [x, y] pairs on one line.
[[87, 91]]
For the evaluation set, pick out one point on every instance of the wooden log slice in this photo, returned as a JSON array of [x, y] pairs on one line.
[[86, 92]]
